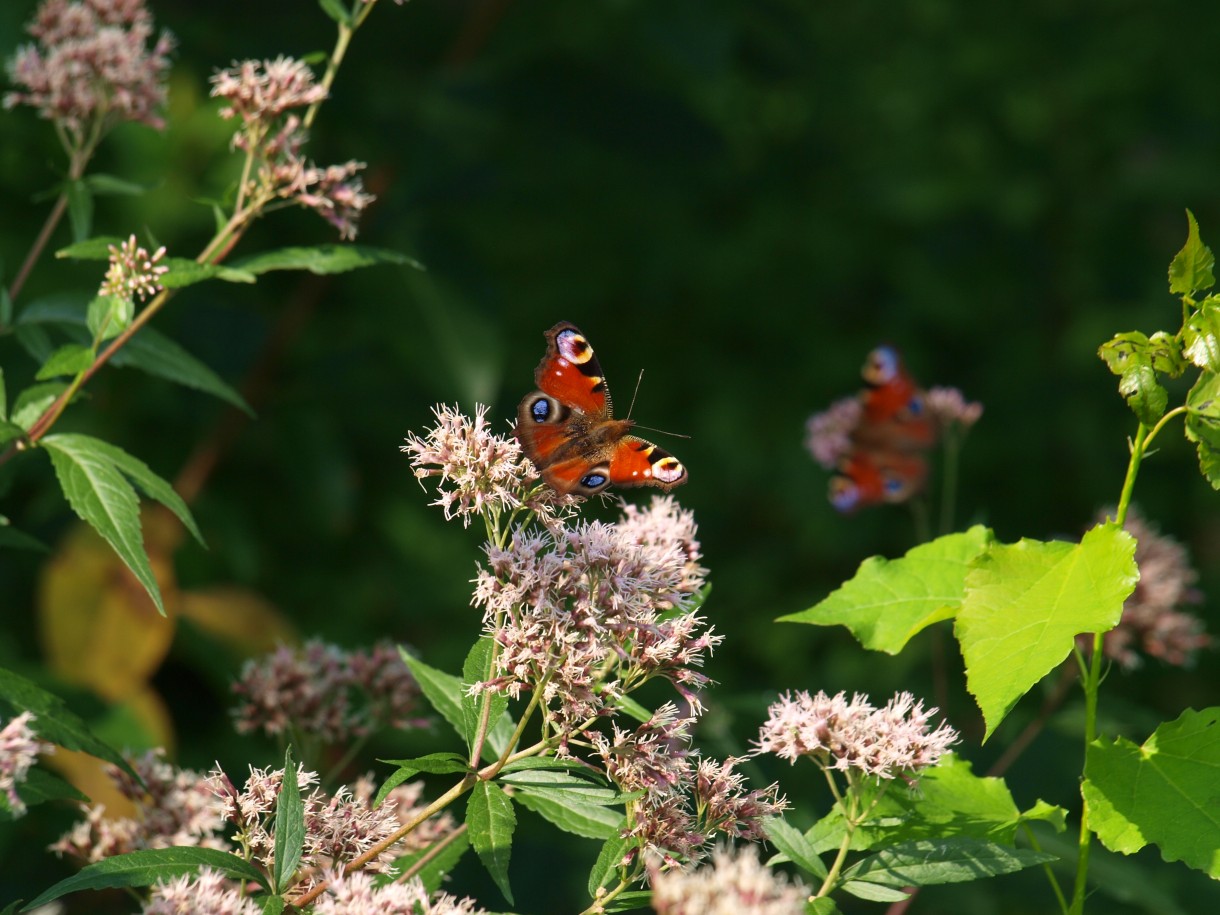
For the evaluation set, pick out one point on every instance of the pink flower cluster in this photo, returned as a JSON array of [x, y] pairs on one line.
[[264, 95], [479, 473], [329, 694], [735, 882], [889, 742], [19, 750], [685, 801], [590, 611], [358, 894], [92, 66]]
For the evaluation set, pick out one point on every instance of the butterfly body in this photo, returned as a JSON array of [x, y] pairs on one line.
[[566, 427]]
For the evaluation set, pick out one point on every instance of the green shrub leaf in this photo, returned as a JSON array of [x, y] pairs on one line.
[[888, 601], [55, 722], [70, 359], [185, 272], [574, 804], [1201, 335], [1203, 424], [1191, 268], [289, 827], [959, 860], [1026, 603], [1162, 793], [793, 843], [490, 820], [324, 259], [144, 868]]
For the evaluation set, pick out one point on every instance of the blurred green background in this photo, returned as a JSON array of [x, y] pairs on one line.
[[740, 199]]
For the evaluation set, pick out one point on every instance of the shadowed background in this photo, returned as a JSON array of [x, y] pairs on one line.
[[739, 199]]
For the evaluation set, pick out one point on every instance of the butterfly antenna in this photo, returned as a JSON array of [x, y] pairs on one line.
[[635, 394]]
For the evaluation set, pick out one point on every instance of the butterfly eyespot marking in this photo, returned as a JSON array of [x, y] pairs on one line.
[[595, 480], [882, 365], [574, 347], [540, 410]]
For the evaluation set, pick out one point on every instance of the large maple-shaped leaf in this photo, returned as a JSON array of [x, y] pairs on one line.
[[888, 601], [1163, 793], [1025, 604]]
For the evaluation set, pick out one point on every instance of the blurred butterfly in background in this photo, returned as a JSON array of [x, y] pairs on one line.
[[566, 426], [884, 461]]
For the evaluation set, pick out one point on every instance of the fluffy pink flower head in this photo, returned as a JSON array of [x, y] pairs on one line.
[[889, 742], [735, 882], [262, 91], [589, 611], [357, 894], [828, 434], [173, 807], [326, 692], [477, 472], [133, 273], [948, 406], [92, 66], [19, 750], [207, 892]]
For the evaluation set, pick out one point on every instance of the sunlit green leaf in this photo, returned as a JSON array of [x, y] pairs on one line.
[[1138, 361], [888, 601], [957, 860], [108, 316], [609, 859], [1162, 793], [1203, 424], [100, 494], [33, 402], [185, 272], [90, 249], [575, 805], [1026, 603], [1191, 268], [289, 827], [1201, 335], [791, 842]]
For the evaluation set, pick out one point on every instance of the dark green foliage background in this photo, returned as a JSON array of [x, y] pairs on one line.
[[739, 198]]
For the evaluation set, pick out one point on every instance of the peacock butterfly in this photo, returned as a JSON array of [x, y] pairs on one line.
[[566, 428], [885, 462]]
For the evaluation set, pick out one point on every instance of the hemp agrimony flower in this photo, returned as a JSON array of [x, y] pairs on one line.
[[19, 750], [735, 882], [855, 736], [133, 273], [357, 894], [326, 693], [91, 67]]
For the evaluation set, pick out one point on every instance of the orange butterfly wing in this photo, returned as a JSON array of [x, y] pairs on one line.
[[566, 429]]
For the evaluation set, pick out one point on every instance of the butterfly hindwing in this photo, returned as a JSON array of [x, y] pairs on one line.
[[636, 462]]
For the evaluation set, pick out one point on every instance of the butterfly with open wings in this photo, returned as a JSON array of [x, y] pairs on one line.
[[567, 429]]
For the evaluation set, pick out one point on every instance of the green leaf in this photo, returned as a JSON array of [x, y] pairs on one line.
[[874, 892], [69, 359], [888, 601], [1137, 360], [55, 722], [1201, 335], [924, 863], [3, 397], [336, 11], [442, 858], [442, 690], [1163, 792], [100, 494], [1203, 424], [490, 820], [1191, 268], [435, 763], [791, 842], [632, 901], [184, 272], [573, 804], [273, 905], [152, 352], [108, 316], [144, 868], [609, 859], [139, 473], [90, 249], [477, 669], [6, 308], [823, 906], [9, 431], [33, 402], [633, 709], [41, 786], [289, 827], [1026, 603], [80, 209], [102, 185], [324, 259]]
